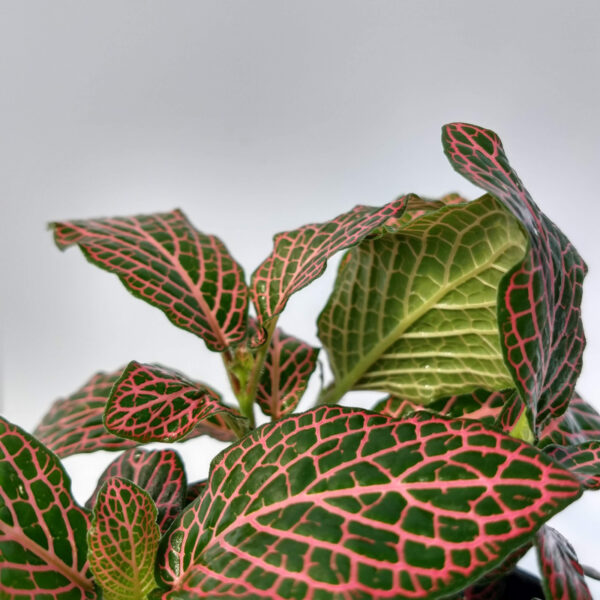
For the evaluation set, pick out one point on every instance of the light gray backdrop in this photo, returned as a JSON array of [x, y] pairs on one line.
[[256, 117]]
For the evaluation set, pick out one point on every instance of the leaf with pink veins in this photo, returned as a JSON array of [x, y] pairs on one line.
[[74, 424], [160, 473], [43, 549], [583, 460], [563, 576], [540, 300], [151, 403], [123, 541], [288, 366], [299, 256], [162, 259], [338, 499]]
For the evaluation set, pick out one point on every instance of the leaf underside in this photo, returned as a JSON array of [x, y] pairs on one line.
[[152, 403], [415, 313], [563, 576], [540, 311], [417, 206], [583, 460], [123, 541], [42, 530], [160, 473], [300, 256], [337, 500], [164, 260]]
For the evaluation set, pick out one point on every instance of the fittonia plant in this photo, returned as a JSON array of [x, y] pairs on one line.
[[465, 314]]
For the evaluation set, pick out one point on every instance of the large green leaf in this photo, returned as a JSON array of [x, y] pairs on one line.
[[123, 541], [415, 313], [43, 549], [339, 499]]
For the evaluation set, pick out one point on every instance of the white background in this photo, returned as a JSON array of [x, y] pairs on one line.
[[255, 117]]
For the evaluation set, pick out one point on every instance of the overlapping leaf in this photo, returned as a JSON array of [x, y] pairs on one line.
[[417, 207], [160, 473], [415, 313], [288, 366], [579, 424], [164, 260], [562, 574], [194, 490], [74, 425], [583, 460], [481, 405], [300, 256], [123, 541], [151, 403], [42, 530], [539, 316], [339, 499]]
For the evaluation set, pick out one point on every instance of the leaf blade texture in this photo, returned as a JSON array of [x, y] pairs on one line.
[[339, 499], [563, 577], [42, 529], [540, 314], [160, 473], [414, 313], [289, 363], [123, 541], [152, 403], [162, 259], [299, 256]]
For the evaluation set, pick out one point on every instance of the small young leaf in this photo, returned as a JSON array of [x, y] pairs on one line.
[[415, 313], [583, 460], [481, 405], [165, 261], [539, 315], [42, 530], [339, 499], [74, 425], [123, 541], [563, 577], [151, 403], [579, 424], [160, 473], [300, 256], [288, 366]]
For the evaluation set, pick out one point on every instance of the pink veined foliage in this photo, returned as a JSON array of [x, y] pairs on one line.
[[540, 316]]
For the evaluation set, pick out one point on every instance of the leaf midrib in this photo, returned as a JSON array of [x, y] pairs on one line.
[[353, 375]]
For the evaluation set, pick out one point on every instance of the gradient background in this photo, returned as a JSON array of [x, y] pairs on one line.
[[255, 117]]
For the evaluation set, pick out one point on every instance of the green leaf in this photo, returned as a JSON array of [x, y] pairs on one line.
[[164, 260], [415, 313], [152, 403], [42, 530], [123, 541], [339, 499]]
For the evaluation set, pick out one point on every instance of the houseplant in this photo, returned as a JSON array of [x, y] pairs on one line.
[[465, 314]]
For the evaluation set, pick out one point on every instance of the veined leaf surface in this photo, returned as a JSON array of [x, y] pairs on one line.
[[417, 207], [164, 260], [74, 425], [539, 315], [415, 313], [563, 576], [583, 460], [337, 499], [123, 541], [160, 473], [42, 530], [194, 490], [151, 403], [288, 366], [579, 424], [300, 256], [482, 405]]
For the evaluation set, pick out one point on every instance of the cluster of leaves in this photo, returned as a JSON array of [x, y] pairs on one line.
[[467, 314]]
